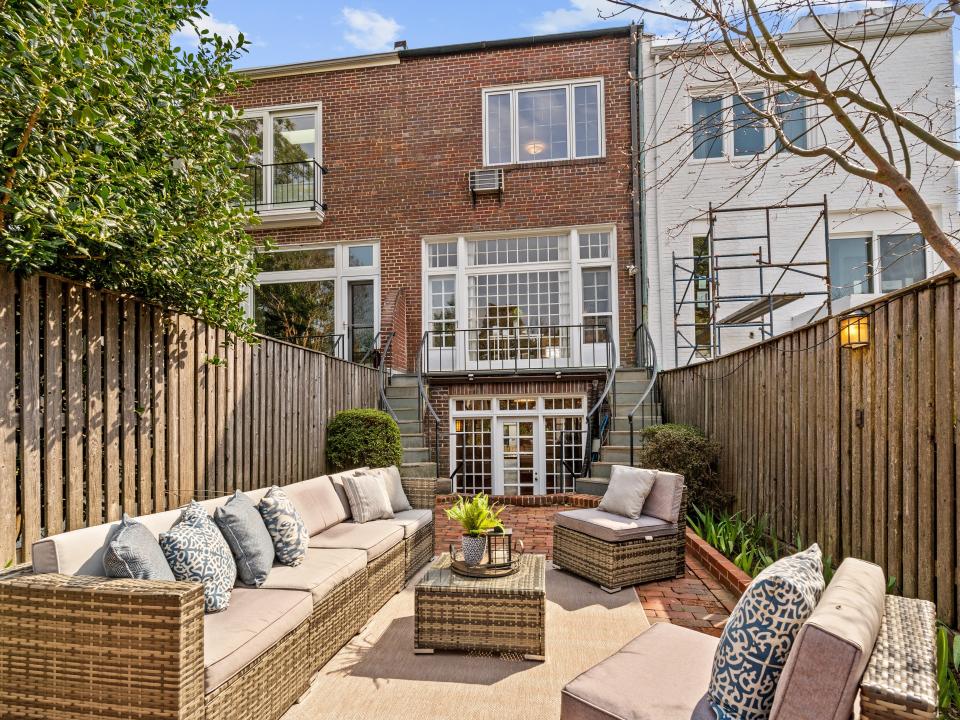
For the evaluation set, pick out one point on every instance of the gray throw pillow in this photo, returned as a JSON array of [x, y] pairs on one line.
[[242, 526], [627, 491], [368, 497], [133, 552]]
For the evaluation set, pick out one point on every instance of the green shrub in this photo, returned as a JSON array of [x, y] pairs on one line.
[[363, 437], [685, 450], [948, 671]]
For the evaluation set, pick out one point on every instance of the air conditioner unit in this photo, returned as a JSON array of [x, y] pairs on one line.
[[484, 182]]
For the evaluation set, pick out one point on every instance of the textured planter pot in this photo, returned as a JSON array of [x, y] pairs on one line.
[[473, 547]]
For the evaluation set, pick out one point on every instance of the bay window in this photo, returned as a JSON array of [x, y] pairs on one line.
[[532, 299], [537, 123]]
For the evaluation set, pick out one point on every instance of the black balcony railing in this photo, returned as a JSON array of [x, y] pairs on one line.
[[517, 349], [285, 185]]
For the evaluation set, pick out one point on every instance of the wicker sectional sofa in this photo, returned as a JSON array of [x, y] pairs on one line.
[[75, 644]]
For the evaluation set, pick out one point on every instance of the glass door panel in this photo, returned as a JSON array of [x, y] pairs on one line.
[[360, 323], [519, 458], [294, 149], [563, 452], [246, 140]]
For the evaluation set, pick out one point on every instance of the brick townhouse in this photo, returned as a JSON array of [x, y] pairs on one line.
[[468, 212]]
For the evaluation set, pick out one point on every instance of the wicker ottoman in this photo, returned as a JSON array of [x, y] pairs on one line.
[[505, 615]]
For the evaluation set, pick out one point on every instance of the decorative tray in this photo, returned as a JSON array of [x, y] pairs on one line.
[[458, 566]]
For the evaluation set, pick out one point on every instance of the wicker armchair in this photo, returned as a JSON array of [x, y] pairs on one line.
[[613, 564]]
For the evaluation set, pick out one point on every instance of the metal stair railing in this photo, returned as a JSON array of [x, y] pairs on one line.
[[424, 403], [647, 355]]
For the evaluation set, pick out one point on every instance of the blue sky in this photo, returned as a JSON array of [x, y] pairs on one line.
[[284, 31]]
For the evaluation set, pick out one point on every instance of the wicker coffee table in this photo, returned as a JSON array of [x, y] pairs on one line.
[[506, 615]]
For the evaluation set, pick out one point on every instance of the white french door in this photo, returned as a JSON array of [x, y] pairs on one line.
[[519, 468]]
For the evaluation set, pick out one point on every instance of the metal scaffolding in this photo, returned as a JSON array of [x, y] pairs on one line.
[[697, 282]]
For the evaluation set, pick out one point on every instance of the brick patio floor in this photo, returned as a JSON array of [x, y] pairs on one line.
[[696, 600]]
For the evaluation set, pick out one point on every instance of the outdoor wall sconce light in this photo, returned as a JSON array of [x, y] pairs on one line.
[[855, 330]]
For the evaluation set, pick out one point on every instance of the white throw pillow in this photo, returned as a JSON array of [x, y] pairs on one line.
[[368, 497], [627, 491], [398, 498]]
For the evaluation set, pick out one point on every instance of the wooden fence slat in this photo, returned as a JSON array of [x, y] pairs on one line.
[[53, 477], [925, 439], [93, 466], [112, 416], [31, 501], [894, 480], [158, 431], [945, 353], [8, 421], [909, 441], [144, 408], [128, 406]]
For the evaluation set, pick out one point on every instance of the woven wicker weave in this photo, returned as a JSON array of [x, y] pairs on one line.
[[80, 646], [338, 617], [419, 550], [421, 492], [613, 565], [901, 679], [385, 577], [506, 615]]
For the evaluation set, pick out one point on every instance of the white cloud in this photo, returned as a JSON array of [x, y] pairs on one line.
[[188, 36], [369, 30], [579, 14]]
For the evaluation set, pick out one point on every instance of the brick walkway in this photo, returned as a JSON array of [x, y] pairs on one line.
[[696, 600]]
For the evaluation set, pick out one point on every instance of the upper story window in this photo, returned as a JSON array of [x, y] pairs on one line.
[[750, 135], [280, 150], [537, 123]]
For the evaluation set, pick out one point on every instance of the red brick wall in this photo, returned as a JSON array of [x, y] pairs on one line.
[[399, 140]]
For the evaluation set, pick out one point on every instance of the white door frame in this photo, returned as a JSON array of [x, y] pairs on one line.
[[539, 457]]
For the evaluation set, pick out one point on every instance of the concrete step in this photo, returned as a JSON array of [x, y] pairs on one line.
[[403, 381], [408, 426], [418, 469], [621, 438], [633, 374], [620, 422], [416, 455], [600, 471], [618, 454], [402, 391], [411, 440], [405, 403], [631, 398], [591, 486]]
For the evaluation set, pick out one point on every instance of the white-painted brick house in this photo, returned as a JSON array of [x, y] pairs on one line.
[[917, 68]]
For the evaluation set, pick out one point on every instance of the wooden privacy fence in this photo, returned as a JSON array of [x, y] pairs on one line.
[[853, 448], [112, 405]]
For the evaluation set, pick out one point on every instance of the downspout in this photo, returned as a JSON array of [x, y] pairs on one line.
[[636, 176]]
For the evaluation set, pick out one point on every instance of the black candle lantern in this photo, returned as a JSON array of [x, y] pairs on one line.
[[500, 547]]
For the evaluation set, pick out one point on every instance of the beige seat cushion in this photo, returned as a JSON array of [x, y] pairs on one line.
[[411, 520], [826, 663], [322, 570], [613, 528], [376, 537], [664, 499], [317, 502], [628, 490], [253, 623], [662, 674]]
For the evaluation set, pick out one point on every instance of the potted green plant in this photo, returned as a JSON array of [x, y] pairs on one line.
[[476, 517]]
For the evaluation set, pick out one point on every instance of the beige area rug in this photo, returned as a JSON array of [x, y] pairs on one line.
[[377, 676]]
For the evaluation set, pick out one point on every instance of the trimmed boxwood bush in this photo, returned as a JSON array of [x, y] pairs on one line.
[[684, 449], [363, 437]]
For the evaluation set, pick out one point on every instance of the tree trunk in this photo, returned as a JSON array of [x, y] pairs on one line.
[[923, 216]]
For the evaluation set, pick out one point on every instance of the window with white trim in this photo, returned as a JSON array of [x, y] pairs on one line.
[[727, 127], [537, 123]]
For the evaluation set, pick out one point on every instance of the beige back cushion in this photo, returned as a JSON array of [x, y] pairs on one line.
[[317, 502], [368, 496], [832, 649], [663, 502], [80, 552], [627, 491]]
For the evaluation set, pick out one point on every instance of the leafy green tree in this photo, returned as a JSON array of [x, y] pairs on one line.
[[116, 161]]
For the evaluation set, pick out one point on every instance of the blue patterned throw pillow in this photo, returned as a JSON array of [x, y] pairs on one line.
[[759, 634], [197, 552], [290, 537]]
